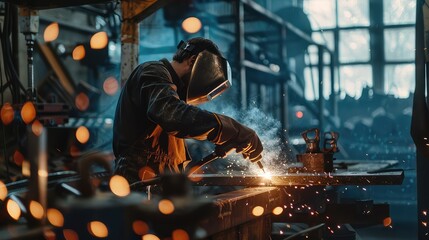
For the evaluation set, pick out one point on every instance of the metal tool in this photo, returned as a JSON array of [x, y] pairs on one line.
[[218, 153], [330, 142], [315, 160], [312, 143]]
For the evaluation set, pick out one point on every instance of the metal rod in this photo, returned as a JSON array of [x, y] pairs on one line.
[[301, 179]]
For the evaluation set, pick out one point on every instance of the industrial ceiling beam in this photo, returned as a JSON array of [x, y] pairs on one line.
[[46, 4]]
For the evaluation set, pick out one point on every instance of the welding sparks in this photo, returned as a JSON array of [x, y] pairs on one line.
[[266, 175]]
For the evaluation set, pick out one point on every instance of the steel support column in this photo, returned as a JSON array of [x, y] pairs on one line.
[[241, 69], [129, 48], [133, 12]]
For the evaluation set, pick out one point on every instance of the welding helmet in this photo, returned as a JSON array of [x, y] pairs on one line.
[[210, 75]]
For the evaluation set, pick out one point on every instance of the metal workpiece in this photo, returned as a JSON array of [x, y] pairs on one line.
[[301, 179], [232, 209]]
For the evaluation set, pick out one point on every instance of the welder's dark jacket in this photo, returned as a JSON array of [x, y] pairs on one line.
[[152, 119]]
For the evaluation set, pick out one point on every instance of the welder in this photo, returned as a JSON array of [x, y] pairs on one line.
[[157, 111]]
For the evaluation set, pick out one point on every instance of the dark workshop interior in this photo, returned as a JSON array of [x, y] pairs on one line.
[[335, 90]]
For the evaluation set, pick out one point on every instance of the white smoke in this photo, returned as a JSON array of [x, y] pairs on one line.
[[274, 158]]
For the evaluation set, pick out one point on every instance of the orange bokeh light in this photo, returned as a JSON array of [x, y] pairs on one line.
[[70, 234], [150, 237], [166, 206], [299, 114], [99, 40], [191, 25], [277, 210], [119, 186], [49, 234], [98, 229], [51, 32], [37, 128], [13, 209], [28, 112], [82, 134], [3, 191], [78, 52], [387, 221], [74, 151], [7, 114], [36, 210], [110, 86], [18, 158], [180, 234], [55, 217], [140, 227], [258, 211], [81, 101]]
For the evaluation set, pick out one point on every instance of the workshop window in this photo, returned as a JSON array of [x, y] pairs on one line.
[[353, 13], [399, 11], [355, 78], [365, 56], [354, 46], [399, 44], [399, 79], [322, 13]]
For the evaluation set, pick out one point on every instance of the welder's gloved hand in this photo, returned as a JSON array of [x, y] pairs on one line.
[[233, 134]]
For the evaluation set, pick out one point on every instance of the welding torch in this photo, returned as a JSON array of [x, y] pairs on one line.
[[219, 153]]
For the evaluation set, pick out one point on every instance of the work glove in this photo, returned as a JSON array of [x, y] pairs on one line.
[[232, 135]]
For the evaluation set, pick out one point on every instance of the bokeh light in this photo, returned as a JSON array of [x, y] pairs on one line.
[[98, 229], [191, 25], [82, 134], [81, 101], [13, 209], [36, 210], [42, 173], [140, 227], [110, 86], [387, 221], [18, 158], [3, 191], [258, 211], [70, 234], [37, 128], [180, 234], [166, 206], [299, 114], [74, 151], [28, 112], [150, 237], [277, 210], [119, 186], [99, 40], [78, 52], [55, 217], [49, 234], [51, 32], [7, 114]]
